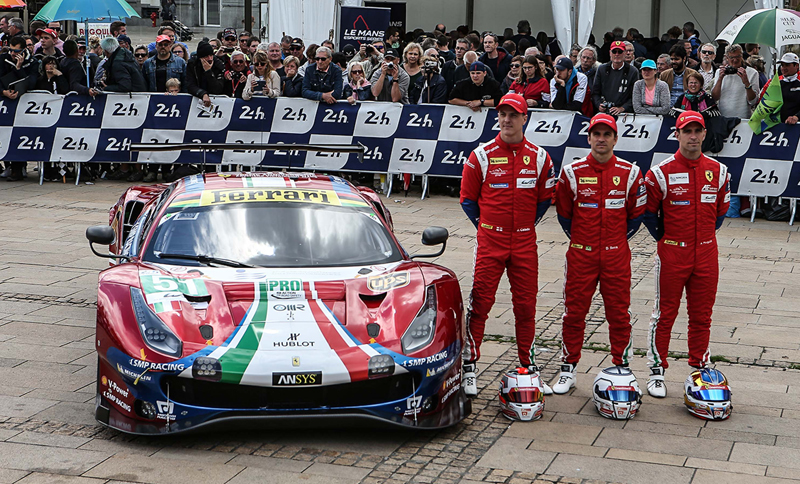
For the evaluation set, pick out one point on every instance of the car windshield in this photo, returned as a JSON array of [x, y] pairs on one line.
[[273, 234]]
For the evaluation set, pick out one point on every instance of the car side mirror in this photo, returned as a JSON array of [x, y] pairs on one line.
[[434, 236], [103, 235]]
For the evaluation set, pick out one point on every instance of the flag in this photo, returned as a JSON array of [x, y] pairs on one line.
[[768, 112]]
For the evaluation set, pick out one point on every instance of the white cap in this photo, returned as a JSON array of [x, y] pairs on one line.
[[789, 58]]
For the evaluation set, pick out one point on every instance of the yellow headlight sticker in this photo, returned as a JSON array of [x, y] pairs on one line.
[[241, 195]]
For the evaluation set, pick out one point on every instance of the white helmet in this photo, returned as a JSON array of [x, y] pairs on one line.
[[616, 393], [707, 395], [522, 395]]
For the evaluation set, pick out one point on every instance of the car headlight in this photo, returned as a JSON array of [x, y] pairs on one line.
[[420, 331], [156, 333]]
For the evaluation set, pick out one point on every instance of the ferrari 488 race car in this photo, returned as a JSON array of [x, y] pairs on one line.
[[253, 295]]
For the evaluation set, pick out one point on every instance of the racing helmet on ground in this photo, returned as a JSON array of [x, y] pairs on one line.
[[616, 393], [707, 395], [522, 395]]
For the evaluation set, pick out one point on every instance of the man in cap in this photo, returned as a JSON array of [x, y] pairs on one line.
[[568, 87], [48, 45], [790, 88], [478, 91], [296, 49], [687, 197], [612, 91], [600, 202], [390, 82], [506, 188]]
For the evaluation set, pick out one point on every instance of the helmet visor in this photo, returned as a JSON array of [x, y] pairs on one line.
[[524, 395], [619, 395], [712, 394]]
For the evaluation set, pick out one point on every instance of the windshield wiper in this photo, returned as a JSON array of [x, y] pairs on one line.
[[205, 259]]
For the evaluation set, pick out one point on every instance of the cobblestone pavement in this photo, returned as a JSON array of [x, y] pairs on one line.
[[47, 374]]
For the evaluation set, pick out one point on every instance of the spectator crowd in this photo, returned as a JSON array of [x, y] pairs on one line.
[[626, 73]]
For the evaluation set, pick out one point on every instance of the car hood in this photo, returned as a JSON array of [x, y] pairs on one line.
[[266, 324]]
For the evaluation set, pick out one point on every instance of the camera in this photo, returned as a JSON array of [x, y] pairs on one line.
[[227, 50], [731, 70], [430, 67], [389, 65], [605, 105], [369, 49]]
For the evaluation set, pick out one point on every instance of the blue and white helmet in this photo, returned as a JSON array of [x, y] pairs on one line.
[[522, 395], [616, 393], [707, 394]]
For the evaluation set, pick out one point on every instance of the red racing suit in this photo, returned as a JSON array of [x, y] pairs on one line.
[[686, 203], [600, 206], [505, 190]]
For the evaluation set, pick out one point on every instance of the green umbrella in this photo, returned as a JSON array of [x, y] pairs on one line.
[[774, 27]]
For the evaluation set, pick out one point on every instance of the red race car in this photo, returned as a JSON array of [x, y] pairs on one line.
[[257, 295]]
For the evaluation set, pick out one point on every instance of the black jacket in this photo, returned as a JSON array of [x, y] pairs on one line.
[[615, 86], [122, 75], [434, 92], [200, 82], [56, 85], [468, 91], [9, 72], [75, 75], [292, 87]]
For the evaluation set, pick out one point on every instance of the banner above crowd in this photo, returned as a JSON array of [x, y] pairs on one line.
[[421, 139]]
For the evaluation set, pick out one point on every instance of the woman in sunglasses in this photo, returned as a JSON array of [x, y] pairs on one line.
[[263, 81], [513, 73], [236, 76], [140, 55], [358, 87], [179, 50], [532, 84]]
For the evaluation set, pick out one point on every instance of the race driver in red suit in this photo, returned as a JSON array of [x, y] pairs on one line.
[[600, 201], [687, 197], [506, 188]]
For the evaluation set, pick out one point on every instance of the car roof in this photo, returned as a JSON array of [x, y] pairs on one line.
[[234, 187]]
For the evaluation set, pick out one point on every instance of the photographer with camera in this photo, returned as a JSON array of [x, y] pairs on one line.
[[478, 91], [612, 91], [431, 86], [19, 71], [677, 78], [370, 57], [390, 82], [735, 86]]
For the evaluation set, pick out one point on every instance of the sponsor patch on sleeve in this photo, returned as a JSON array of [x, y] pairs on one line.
[[641, 201], [706, 198]]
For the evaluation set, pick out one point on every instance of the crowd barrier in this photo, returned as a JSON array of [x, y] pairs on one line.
[[430, 140]]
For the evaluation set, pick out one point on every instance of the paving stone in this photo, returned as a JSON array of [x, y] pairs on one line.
[[554, 431], [41, 478], [567, 448], [49, 440], [765, 455], [651, 457], [718, 465], [23, 407], [617, 470], [273, 476], [703, 476], [511, 453], [270, 463], [154, 470], [54, 460]]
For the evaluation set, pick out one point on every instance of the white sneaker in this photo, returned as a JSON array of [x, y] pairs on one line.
[[655, 383], [566, 379], [470, 380], [5, 173]]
